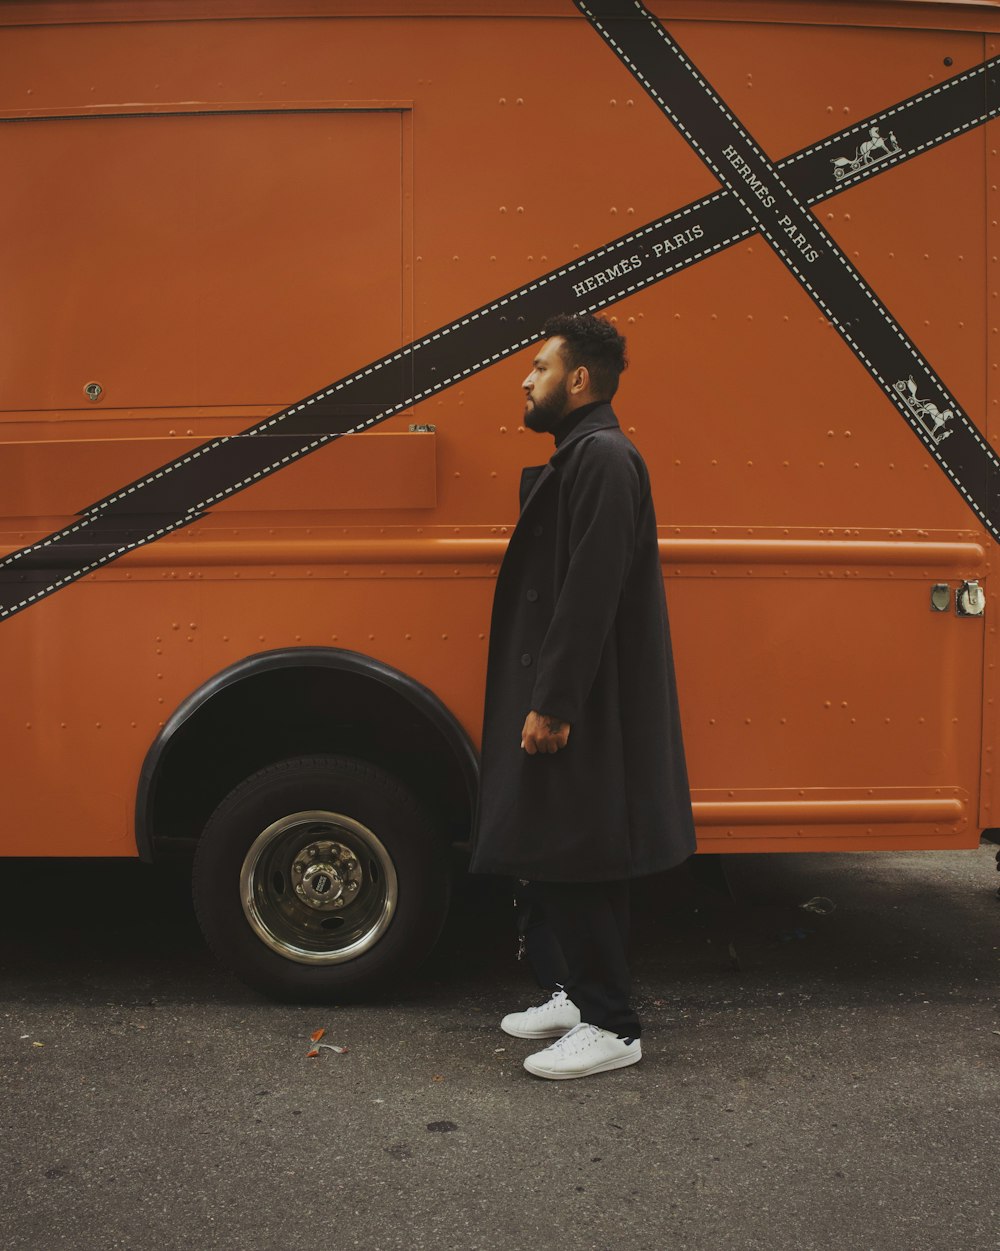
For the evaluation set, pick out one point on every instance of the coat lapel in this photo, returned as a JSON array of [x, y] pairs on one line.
[[529, 480], [532, 478]]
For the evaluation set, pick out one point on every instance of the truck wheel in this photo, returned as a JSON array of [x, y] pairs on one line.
[[320, 877]]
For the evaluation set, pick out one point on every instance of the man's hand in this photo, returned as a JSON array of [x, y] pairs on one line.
[[543, 734]]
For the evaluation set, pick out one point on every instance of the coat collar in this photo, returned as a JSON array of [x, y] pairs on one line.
[[600, 418]]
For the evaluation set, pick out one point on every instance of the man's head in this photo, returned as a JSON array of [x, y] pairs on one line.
[[580, 361]]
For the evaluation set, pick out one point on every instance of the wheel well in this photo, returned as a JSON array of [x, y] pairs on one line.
[[296, 703]]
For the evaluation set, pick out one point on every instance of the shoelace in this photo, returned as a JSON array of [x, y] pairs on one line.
[[572, 1041], [558, 1000]]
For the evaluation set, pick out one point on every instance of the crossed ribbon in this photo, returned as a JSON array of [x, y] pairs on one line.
[[782, 219], [757, 196]]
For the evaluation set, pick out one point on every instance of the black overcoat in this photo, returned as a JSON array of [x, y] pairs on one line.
[[580, 632]]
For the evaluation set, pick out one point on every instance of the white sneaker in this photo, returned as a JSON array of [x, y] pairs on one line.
[[584, 1050], [549, 1020]]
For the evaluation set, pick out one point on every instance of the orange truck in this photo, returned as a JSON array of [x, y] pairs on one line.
[[271, 277]]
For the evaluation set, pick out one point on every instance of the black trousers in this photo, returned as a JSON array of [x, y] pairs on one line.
[[588, 923]]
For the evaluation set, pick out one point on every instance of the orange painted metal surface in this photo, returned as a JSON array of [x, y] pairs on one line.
[[210, 218]]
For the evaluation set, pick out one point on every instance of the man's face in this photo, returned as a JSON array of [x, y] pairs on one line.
[[546, 388]]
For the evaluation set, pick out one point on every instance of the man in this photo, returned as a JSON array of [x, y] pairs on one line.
[[584, 784]]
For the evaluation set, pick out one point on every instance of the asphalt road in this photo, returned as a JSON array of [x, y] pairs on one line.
[[836, 1085]]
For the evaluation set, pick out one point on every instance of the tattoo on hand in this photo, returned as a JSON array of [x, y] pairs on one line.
[[554, 725]]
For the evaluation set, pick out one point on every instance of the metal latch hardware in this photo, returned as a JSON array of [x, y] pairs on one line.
[[970, 600], [940, 597]]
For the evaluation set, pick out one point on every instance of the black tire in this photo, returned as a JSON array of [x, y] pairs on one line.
[[320, 878]]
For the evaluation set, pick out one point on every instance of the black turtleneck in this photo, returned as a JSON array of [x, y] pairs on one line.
[[570, 422]]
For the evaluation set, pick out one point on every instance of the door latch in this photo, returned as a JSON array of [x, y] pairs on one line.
[[940, 597], [970, 600]]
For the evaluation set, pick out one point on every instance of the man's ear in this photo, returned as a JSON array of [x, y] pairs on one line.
[[580, 380]]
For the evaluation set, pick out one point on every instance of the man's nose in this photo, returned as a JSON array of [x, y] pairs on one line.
[[526, 384]]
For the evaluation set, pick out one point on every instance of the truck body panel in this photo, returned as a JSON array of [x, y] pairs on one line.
[[209, 219]]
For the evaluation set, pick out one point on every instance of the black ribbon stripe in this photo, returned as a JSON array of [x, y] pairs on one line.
[[181, 491], [924, 121], [802, 243]]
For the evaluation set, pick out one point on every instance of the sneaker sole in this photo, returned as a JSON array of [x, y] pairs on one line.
[[621, 1062], [554, 1032]]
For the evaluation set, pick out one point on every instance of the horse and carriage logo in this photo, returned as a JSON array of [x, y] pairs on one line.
[[877, 147], [931, 418]]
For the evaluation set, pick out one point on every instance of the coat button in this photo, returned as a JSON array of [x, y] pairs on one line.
[[537, 530], [526, 660], [531, 596]]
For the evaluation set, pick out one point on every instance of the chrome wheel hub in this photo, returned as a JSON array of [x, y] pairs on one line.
[[326, 874], [318, 887]]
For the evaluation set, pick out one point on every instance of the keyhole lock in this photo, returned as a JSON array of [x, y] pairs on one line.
[[93, 391]]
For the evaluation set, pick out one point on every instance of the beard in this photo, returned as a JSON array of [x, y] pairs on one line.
[[543, 416]]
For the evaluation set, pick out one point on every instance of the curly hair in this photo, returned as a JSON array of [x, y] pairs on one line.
[[593, 342]]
